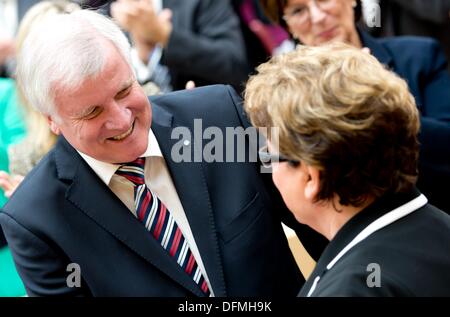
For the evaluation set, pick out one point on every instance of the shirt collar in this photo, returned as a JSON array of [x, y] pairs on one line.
[[360, 221], [353, 227], [107, 170]]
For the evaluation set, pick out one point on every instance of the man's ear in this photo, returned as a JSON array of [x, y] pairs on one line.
[[313, 182], [53, 126]]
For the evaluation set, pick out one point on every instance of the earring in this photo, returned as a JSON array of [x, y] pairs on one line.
[[354, 4]]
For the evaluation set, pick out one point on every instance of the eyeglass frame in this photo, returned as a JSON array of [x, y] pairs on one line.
[[266, 158], [287, 17]]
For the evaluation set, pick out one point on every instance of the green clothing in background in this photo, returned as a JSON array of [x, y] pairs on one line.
[[12, 127], [10, 283], [12, 130]]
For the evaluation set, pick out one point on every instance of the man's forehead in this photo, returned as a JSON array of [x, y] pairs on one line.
[[76, 94]]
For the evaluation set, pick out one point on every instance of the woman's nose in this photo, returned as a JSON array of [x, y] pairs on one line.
[[316, 14]]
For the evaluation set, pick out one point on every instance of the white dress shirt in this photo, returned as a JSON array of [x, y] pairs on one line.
[[158, 179]]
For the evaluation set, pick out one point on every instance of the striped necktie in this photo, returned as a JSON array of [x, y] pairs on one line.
[[159, 222]]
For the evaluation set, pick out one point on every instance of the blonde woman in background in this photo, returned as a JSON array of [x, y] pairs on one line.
[[39, 140]]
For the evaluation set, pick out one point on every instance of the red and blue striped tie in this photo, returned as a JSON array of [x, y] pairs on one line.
[[159, 221]]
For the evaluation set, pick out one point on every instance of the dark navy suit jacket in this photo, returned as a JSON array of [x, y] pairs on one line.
[[206, 44], [411, 255], [421, 62], [63, 213]]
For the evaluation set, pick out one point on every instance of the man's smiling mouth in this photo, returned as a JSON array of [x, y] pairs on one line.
[[122, 136]]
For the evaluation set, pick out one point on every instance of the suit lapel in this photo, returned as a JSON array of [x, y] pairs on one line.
[[102, 206], [190, 182]]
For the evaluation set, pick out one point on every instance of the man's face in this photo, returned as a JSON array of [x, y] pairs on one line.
[[108, 116]]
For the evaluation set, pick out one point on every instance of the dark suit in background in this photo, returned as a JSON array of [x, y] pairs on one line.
[[23, 6], [421, 62], [416, 17], [64, 213], [206, 44]]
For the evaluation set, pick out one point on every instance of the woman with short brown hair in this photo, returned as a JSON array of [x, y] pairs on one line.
[[344, 157], [418, 60]]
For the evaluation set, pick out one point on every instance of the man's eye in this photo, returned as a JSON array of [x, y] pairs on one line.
[[92, 114], [124, 93]]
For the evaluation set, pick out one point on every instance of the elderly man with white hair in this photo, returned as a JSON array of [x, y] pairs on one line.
[[109, 212]]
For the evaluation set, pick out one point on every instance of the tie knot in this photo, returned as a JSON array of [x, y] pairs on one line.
[[133, 171]]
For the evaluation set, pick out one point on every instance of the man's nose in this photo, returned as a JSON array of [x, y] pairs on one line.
[[119, 117]]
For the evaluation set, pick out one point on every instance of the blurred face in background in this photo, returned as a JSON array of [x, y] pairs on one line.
[[108, 116], [315, 22]]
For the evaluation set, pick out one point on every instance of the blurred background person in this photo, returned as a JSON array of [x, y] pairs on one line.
[[20, 150], [415, 17], [39, 140], [12, 127], [420, 61], [12, 130], [179, 41], [345, 162], [262, 37], [11, 13]]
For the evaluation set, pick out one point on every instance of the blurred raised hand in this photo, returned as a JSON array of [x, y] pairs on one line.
[[140, 19], [9, 182]]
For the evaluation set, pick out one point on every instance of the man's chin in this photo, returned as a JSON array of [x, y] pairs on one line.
[[133, 152]]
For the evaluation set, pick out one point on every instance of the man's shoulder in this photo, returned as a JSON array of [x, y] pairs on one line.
[[216, 102], [38, 187], [198, 94]]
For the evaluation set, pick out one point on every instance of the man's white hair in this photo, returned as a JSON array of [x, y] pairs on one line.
[[63, 51]]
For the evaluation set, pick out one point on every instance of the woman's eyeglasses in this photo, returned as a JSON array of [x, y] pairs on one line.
[[302, 13], [268, 158]]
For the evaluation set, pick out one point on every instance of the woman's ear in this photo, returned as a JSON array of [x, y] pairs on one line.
[[313, 182]]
